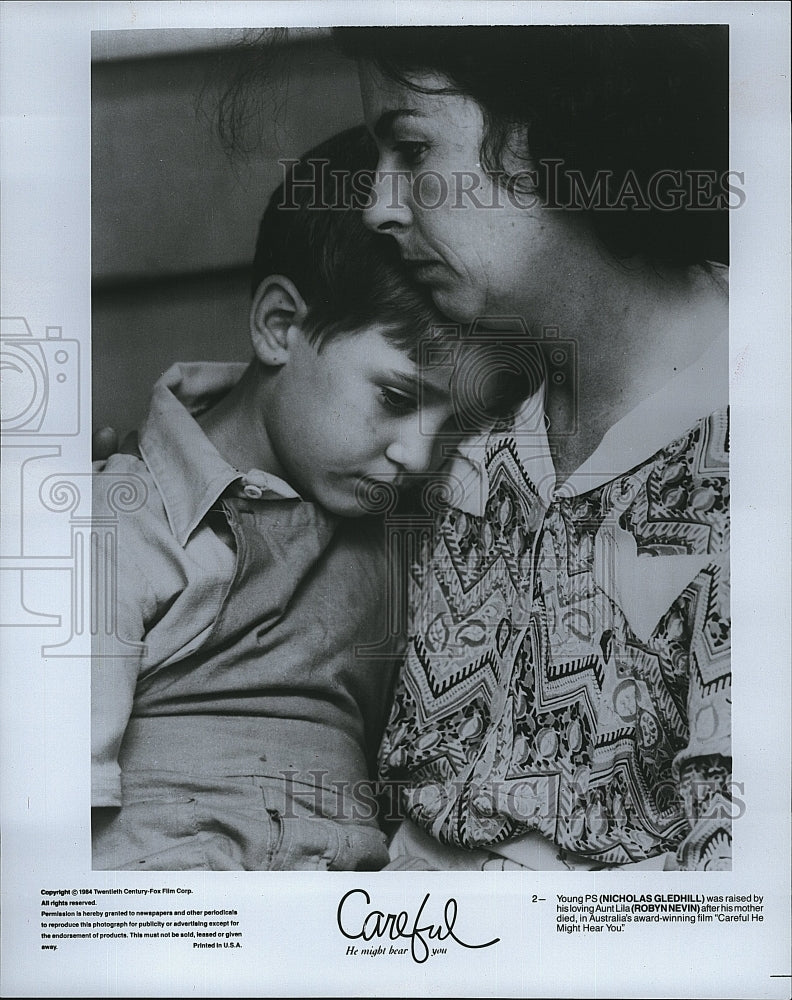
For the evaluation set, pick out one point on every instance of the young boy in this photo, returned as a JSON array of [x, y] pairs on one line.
[[235, 713]]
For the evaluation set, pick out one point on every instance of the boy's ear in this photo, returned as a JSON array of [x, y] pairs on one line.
[[277, 307]]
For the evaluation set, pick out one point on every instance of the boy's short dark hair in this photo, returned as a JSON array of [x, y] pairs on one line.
[[312, 232]]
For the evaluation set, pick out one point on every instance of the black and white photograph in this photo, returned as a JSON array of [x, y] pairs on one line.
[[395, 423]]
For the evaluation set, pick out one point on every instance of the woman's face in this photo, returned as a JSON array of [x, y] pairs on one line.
[[482, 250]]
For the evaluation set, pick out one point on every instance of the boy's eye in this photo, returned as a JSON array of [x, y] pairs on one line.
[[396, 401]]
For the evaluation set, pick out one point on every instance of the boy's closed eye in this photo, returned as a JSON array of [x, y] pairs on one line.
[[397, 401]]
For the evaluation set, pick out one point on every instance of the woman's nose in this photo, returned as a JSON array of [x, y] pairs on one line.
[[388, 210]]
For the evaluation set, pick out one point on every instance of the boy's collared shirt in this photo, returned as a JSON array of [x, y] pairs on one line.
[[176, 569], [187, 469]]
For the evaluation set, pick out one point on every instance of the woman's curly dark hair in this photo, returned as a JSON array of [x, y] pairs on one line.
[[607, 101]]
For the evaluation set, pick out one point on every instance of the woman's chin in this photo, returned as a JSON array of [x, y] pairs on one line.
[[456, 303]]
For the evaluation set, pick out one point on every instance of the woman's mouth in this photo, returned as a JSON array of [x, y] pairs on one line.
[[425, 270]]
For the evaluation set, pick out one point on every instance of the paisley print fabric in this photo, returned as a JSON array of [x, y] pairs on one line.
[[568, 668]]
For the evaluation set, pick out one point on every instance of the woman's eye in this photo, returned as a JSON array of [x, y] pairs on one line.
[[411, 152], [396, 401]]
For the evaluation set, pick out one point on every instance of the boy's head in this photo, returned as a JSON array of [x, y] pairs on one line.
[[336, 325], [349, 278]]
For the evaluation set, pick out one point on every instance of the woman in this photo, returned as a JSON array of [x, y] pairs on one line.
[[566, 697]]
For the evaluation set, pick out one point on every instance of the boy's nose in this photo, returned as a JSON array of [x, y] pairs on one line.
[[388, 210], [412, 452]]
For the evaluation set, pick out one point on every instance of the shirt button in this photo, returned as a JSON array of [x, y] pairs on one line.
[[253, 492]]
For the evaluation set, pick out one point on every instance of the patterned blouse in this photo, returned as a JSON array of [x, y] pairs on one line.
[[568, 670]]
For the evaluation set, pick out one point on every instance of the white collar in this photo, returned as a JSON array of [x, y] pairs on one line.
[[695, 392]]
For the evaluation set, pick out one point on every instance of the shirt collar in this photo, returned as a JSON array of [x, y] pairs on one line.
[[695, 392], [189, 472], [698, 390]]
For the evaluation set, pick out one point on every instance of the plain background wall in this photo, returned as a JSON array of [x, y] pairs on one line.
[[174, 217]]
